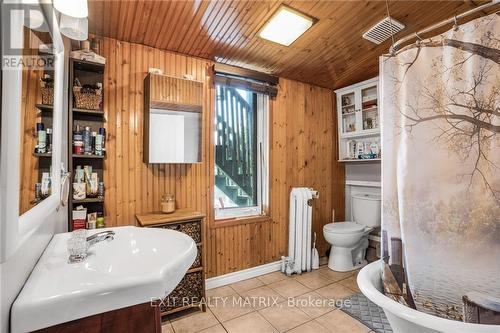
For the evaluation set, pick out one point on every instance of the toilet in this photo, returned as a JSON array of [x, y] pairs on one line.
[[349, 240]]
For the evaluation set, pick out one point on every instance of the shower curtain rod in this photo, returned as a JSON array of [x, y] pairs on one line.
[[397, 44]]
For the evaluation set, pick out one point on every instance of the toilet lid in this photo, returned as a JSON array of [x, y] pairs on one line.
[[343, 227]]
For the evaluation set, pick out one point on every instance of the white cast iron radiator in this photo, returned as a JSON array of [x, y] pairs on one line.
[[300, 231]]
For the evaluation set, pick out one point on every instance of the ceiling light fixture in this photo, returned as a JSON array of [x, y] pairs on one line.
[[286, 25], [73, 8], [73, 27]]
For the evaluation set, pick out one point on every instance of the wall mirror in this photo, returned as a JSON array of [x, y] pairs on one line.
[[32, 93], [36, 117]]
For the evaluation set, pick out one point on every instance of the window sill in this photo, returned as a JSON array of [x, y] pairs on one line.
[[228, 222]]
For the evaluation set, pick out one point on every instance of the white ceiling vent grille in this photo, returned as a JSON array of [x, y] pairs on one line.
[[382, 30]]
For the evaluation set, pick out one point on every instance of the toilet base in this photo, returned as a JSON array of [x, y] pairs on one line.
[[343, 259]]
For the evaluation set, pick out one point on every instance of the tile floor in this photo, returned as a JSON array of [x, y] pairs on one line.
[[276, 303]]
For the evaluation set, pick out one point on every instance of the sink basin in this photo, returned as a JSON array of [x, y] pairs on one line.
[[139, 265]]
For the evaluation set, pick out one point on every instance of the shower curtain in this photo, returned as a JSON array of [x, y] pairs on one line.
[[440, 102]]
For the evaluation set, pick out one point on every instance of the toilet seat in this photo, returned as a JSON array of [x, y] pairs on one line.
[[343, 228]]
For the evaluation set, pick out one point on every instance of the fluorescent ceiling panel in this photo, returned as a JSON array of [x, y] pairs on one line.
[[285, 26]]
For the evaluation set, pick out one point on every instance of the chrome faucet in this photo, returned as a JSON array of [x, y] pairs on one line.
[[99, 237]]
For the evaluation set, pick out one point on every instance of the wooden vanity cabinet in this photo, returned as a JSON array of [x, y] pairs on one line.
[[190, 292], [137, 318]]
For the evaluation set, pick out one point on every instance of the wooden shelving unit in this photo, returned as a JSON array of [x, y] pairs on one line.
[[87, 73], [88, 200], [358, 117], [44, 159]]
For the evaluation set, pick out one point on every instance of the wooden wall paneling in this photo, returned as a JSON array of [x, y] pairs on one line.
[[301, 154]]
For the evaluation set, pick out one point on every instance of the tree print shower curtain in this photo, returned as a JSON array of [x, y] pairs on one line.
[[440, 102]]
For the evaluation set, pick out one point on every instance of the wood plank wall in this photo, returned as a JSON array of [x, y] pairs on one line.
[[303, 153], [30, 115]]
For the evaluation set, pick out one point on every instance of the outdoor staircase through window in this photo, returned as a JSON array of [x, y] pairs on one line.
[[235, 149]]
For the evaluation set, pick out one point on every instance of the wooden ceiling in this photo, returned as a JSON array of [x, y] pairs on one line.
[[331, 54]]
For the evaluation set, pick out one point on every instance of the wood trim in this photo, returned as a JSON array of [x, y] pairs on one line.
[[235, 82], [159, 218], [229, 222], [175, 106]]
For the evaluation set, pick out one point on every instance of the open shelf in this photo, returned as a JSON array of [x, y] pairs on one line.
[[42, 155], [88, 156], [88, 66], [91, 112], [360, 134], [88, 200], [45, 107], [361, 160]]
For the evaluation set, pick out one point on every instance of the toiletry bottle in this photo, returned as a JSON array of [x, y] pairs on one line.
[[93, 140], [100, 190], [102, 131], [38, 192], [87, 141], [45, 188], [42, 139], [100, 222], [49, 140], [98, 144]]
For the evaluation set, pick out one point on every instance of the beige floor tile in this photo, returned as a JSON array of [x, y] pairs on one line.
[[312, 280], [246, 285], [289, 288], [252, 322], [314, 305], [333, 275], [310, 327], [262, 297], [166, 327], [284, 316], [351, 283], [229, 307], [194, 322], [272, 277], [220, 291], [335, 291], [339, 322], [214, 329]]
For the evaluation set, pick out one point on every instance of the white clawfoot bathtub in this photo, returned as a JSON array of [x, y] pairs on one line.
[[406, 320]]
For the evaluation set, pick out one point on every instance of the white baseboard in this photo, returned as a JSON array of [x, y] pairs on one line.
[[244, 274]]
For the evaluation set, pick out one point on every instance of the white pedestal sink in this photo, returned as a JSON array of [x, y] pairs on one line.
[[140, 264]]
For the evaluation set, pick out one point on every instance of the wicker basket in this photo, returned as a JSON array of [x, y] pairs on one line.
[[192, 229], [86, 99], [189, 292], [47, 95]]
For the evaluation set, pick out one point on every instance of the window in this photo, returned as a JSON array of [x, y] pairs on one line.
[[241, 150]]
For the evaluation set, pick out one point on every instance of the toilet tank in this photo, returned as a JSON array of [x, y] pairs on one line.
[[366, 209]]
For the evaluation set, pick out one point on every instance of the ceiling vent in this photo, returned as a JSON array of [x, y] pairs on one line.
[[382, 30]]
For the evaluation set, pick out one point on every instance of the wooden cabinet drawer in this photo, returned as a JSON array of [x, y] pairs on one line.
[[192, 229]]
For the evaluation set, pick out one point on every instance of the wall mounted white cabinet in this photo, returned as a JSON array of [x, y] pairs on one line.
[[358, 117]]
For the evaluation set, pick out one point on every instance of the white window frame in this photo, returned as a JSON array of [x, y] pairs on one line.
[[262, 168]]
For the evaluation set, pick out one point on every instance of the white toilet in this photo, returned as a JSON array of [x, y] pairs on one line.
[[349, 240]]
